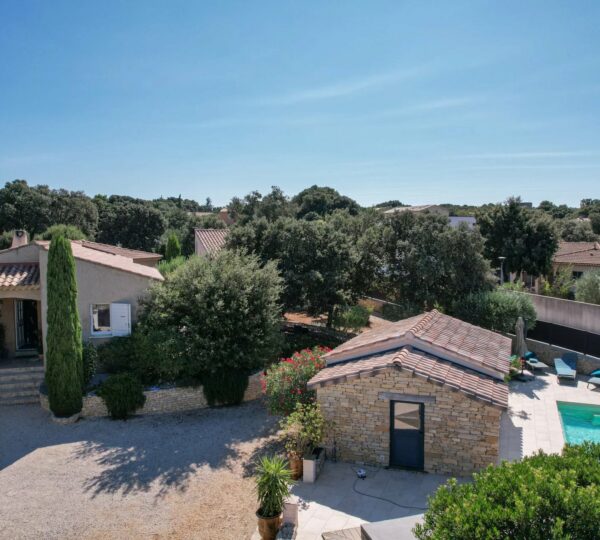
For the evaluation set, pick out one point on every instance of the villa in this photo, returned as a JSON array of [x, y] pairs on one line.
[[426, 393], [110, 282]]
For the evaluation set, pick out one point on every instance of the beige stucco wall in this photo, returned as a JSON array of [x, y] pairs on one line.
[[461, 434], [98, 284]]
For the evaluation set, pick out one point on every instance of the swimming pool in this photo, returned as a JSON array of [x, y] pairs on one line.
[[580, 422]]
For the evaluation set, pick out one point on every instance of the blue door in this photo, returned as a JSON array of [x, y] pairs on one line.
[[406, 435]]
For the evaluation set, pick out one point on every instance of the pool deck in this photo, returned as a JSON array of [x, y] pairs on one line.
[[533, 422]]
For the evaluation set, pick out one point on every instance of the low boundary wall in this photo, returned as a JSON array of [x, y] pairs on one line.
[[163, 400]]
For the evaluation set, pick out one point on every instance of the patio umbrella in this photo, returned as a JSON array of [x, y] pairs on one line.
[[520, 345]]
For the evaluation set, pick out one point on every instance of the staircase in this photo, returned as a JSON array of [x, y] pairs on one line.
[[20, 385]]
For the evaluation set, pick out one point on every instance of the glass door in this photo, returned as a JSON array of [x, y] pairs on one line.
[[407, 434]]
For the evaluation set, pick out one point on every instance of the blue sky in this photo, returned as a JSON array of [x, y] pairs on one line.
[[426, 102]]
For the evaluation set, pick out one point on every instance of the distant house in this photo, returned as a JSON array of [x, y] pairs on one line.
[[580, 256], [209, 241], [455, 221], [223, 215], [426, 393], [422, 209], [110, 282]]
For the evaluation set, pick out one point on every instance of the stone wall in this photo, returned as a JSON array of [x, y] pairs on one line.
[[461, 434], [164, 400]]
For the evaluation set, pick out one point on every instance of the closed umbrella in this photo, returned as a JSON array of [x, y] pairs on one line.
[[520, 345]]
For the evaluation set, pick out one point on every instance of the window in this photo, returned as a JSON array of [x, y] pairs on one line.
[[110, 319]]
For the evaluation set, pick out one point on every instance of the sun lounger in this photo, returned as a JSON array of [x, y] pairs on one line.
[[594, 381], [563, 371], [534, 364]]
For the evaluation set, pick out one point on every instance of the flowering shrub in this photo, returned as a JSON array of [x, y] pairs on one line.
[[285, 382]]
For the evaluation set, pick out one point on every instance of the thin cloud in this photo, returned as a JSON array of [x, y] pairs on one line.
[[345, 88], [529, 155]]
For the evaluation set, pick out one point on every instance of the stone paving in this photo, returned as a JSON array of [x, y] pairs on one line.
[[332, 503], [532, 422]]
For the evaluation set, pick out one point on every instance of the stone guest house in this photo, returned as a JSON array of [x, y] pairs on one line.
[[425, 393]]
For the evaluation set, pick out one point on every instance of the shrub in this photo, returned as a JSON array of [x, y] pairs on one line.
[[542, 496], [497, 310], [166, 267], [285, 382], [68, 231], [225, 386], [351, 318], [173, 249], [304, 429], [214, 314], [560, 284], [588, 288], [116, 355], [90, 362], [297, 340], [123, 395], [64, 370], [273, 482]]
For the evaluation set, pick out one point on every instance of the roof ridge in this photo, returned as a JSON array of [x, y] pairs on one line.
[[425, 321]]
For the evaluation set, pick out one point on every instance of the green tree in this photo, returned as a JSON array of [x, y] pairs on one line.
[[588, 288], [130, 223], [216, 318], [173, 248], [64, 370], [595, 222], [527, 238], [540, 497], [315, 260], [322, 201], [575, 230], [74, 208], [68, 231], [24, 207], [427, 262], [496, 310]]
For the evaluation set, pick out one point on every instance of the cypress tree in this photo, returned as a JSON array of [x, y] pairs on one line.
[[64, 369], [173, 248]]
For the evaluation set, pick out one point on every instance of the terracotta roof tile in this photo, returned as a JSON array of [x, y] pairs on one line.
[[112, 260], [212, 240], [477, 345], [134, 254], [473, 384], [19, 275], [579, 253]]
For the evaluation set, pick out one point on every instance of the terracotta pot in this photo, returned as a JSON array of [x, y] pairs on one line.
[[296, 467], [269, 527]]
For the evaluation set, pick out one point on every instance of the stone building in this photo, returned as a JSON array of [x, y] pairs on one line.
[[425, 393]]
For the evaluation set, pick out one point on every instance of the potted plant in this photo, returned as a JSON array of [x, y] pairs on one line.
[[296, 439], [273, 487], [314, 430]]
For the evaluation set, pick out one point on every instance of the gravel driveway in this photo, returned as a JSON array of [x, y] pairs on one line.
[[172, 476]]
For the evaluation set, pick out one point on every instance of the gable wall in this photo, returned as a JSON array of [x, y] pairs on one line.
[[461, 434]]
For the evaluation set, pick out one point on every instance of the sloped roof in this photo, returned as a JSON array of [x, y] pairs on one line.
[[578, 253], [134, 254], [19, 276], [111, 260], [435, 370], [213, 240], [433, 331]]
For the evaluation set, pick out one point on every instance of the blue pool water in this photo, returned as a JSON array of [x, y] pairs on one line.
[[580, 422]]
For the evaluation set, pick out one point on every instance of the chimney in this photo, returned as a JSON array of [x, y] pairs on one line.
[[19, 238]]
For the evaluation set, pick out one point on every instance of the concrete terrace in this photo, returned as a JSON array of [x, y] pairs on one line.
[[532, 422]]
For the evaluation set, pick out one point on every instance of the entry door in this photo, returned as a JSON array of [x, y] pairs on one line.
[[26, 324], [406, 434]]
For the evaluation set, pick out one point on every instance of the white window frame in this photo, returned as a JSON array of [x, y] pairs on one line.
[[111, 332]]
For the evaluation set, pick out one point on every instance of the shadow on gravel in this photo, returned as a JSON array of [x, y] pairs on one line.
[[158, 453]]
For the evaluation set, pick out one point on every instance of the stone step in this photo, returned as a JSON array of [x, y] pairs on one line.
[[19, 400], [19, 392], [15, 375], [21, 369], [7, 386]]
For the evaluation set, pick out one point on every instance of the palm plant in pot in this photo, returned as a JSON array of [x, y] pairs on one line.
[[273, 483]]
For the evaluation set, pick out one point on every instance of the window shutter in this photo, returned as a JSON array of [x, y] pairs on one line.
[[120, 319]]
